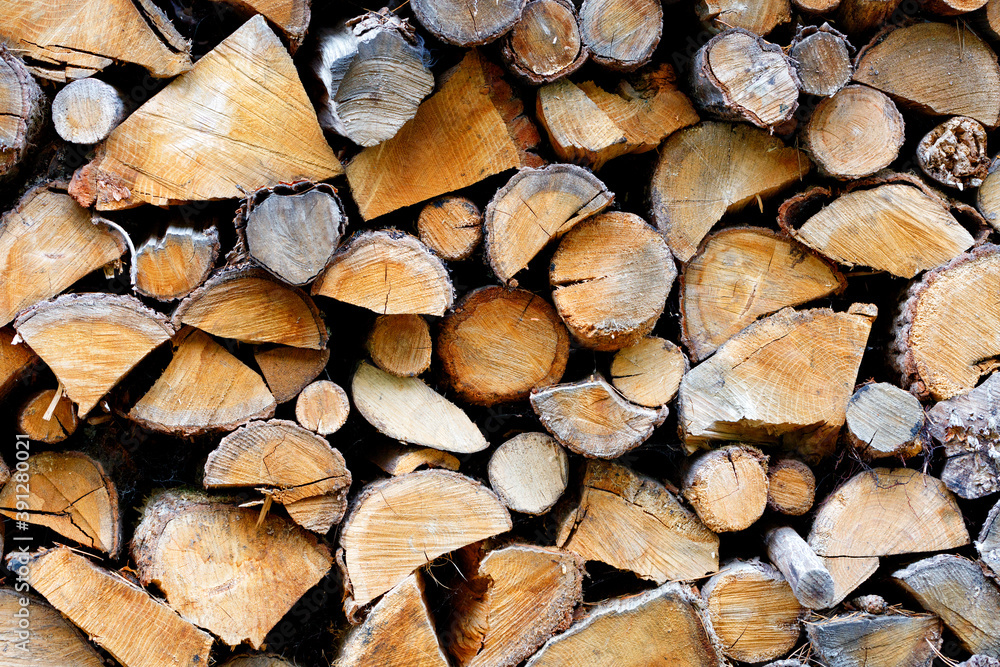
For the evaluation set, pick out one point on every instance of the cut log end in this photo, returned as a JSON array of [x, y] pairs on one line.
[[529, 472], [451, 226], [791, 487], [86, 111], [728, 487], [883, 420], [48, 416], [322, 407], [649, 372], [545, 44], [400, 344], [954, 153]]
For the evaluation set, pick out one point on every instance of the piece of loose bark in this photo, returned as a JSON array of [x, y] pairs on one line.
[[536, 206], [954, 153], [47, 243], [52, 640], [713, 168], [727, 487], [621, 34], [742, 273], [474, 114], [91, 341], [388, 272], [85, 111], [451, 226], [399, 459], [753, 611], [70, 493], [863, 16], [865, 640], [498, 345], [293, 230], [25, 110], [398, 629], [290, 16], [400, 344], [750, 389], [169, 265], [854, 133], [287, 464], [759, 17], [134, 627], [15, 360], [249, 136], [649, 372], [882, 512], [611, 276], [322, 407], [666, 625], [590, 418], [397, 525], [209, 558], [956, 589], [934, 68], [204, 388], [791, 487], [333, 48], [937, 352], [966, 425], [408, 410], [252, 306], [529, 472], [288, 370], [545, 43], [466, 22], [988, 543], [632, 522], [47, 418], [822, 59], [806, 573], [883, 420], [738, 76]]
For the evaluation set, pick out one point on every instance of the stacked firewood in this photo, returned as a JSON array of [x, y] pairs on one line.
[[614, 333]]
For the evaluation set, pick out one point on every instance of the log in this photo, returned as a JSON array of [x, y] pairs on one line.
[[863, 16], [46, 417], [16, 361], [937, 353], [749, 390], [611, 276], [791, 486], [406, 409], [134, 627], [665, 625], [956, 589], [198, 157], [288, 465], [727, 487], [91, 341], [865, 640], [811, 583], [290, 16], [288, 370], [322, 407], [332, 50], [649, 372], [934, 68], [293, 230], [87, 110], [189, 544], [388, 272], [816, 7], [753, 611], [742, 273], [525, 593], [378, 640], [203, 389], [988, 543], [397, 525], [713, 168], [590, 418], [251, 306], [954, 7], [529, 473], [632, 522], [465, 23], [988, 196], [499, 345], [475, 114], [535, 206], [70, 493], [55, 640], [66, 42], [47, 243], [738, 76], [954, 153], [545, 43], [882, 512], [759, 18], [822, 59], [171, 264], [451, 226], [883, 420], [855, 133], [24, 113], [400, 344], [987, 20], [398, 459], [589, 125], [848, 573], [621, 34]]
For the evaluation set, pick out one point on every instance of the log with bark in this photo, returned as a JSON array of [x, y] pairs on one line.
[[545, 44], [529, 472], [24, 110], [172, 263], [856, 640], [48, 416], [451, 226], [822, 59], [883, 420], [727, 487], [621, 34], [966, 426], [322, 407]]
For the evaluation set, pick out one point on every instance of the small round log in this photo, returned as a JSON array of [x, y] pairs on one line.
[[545, 44], [884, 420], [87, 110], [791, 487], [649, 372], [954, 153], [529, 472], [47, 419], [728, 487], [451, 226], [400, 344], [322, 407]]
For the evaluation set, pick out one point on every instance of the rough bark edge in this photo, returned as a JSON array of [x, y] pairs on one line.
[[508, 54], [95, 298], [31, 119], [435, 27], [212, 232]]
